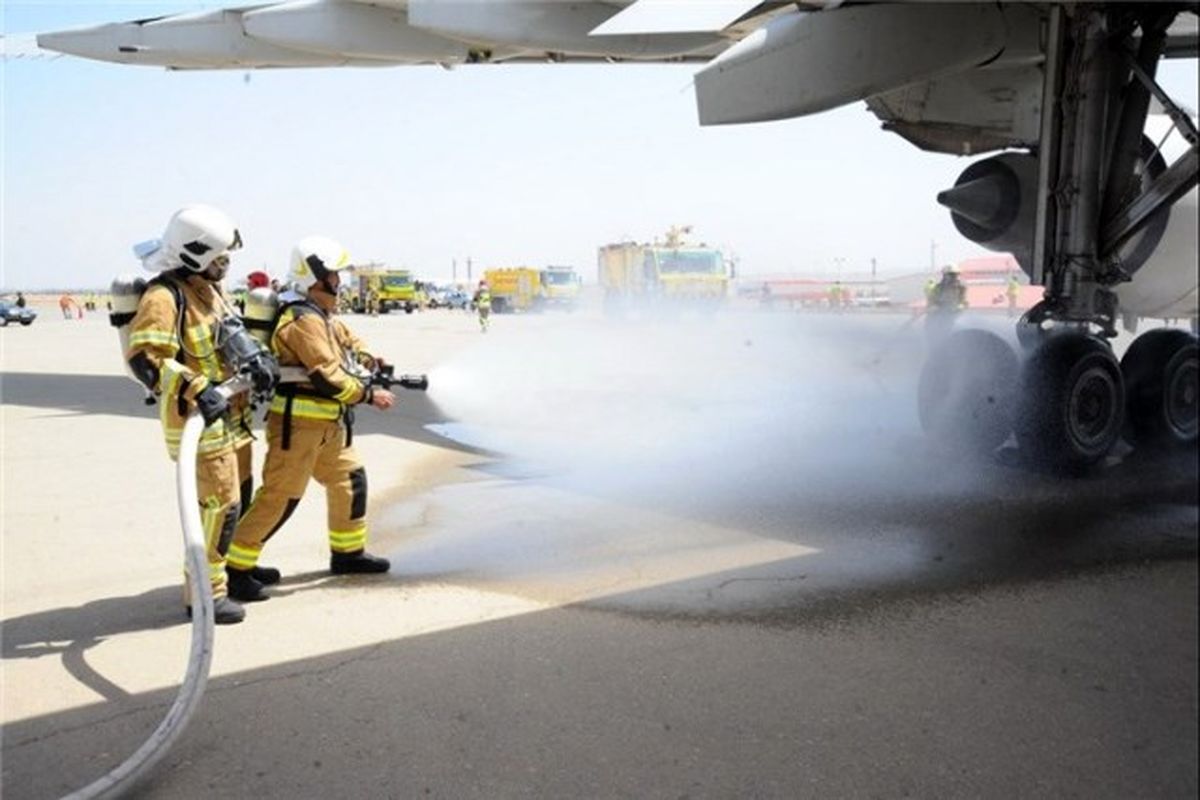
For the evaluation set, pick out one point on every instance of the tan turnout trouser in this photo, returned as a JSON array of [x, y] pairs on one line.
[[317, 449], [217, 491]]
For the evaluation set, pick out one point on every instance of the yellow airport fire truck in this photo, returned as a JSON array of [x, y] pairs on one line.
[[378, 289], [560, 287], [514, 289], [670, 273]]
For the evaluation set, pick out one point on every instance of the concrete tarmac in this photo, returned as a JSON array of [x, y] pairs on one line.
[[699, 557]]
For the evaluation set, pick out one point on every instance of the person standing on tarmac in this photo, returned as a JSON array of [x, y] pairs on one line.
[[173, 351], [947, 299], [483, 305], [1012, 291], [310, 424]]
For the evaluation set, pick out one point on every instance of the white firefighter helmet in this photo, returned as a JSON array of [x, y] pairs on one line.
[[196, 236], [314, 258], [950, 269]]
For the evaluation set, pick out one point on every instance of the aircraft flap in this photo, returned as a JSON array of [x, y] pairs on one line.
[[673, 16]]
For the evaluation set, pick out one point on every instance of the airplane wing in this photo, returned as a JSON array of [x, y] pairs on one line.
[[312, 33], [962, 78]]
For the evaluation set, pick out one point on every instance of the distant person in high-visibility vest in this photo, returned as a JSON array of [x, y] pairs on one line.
[[483, 305], [1012, 291], [835, 296]]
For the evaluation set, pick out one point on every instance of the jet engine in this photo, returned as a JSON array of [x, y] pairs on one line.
[[994, 203]]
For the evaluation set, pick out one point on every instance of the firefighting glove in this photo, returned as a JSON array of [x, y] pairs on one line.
[[211, 404]]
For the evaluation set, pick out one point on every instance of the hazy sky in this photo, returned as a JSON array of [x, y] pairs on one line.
[[419, 166]]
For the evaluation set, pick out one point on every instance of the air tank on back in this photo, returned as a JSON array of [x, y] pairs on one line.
[[126, 291], [261, 306]]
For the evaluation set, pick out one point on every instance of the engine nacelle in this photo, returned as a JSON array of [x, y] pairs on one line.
[[994, 203]]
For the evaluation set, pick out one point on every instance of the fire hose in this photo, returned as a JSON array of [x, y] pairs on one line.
[[122, 778], [133, 769]]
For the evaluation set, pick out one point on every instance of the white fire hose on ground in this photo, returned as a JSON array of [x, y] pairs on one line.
[[122, 778]]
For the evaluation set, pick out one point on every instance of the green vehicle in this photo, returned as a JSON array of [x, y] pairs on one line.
[[391, 289]]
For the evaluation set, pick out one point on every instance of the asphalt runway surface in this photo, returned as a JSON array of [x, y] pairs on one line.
[[683, 558]]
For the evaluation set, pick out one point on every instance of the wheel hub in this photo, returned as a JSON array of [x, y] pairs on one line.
[[1181, 399], [1092, 407]]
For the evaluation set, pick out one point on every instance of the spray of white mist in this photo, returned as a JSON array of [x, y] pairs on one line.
[[738, 406]]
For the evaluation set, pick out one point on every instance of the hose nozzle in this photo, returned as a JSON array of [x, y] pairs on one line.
[[417, 383], [385, 377]]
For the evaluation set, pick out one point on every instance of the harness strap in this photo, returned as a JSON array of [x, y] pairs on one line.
[[290, 392], [287, 420]]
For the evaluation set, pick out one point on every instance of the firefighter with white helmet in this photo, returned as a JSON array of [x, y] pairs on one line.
[[945, 300], [950, 294], [175, 350], [310, 424]]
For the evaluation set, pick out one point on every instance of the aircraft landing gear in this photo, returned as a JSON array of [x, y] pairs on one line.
[[966, 393], [1073, 402], [1161, 373]]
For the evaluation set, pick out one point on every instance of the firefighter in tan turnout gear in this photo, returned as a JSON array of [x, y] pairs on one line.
[[310, 424], [175, 349]]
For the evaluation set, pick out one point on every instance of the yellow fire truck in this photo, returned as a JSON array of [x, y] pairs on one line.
[[514, 289], [391, 289], [560, 287], [668, 273]]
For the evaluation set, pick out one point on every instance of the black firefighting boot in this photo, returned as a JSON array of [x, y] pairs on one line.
[[267, 576], [357, 563], [225, 611], [243, 586]]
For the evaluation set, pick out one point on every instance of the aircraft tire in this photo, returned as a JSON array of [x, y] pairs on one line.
[[1160, 370], [1072, 402], [966, 392]]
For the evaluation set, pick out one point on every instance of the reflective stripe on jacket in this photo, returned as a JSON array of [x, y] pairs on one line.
[[184, 369], [327, 350]]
